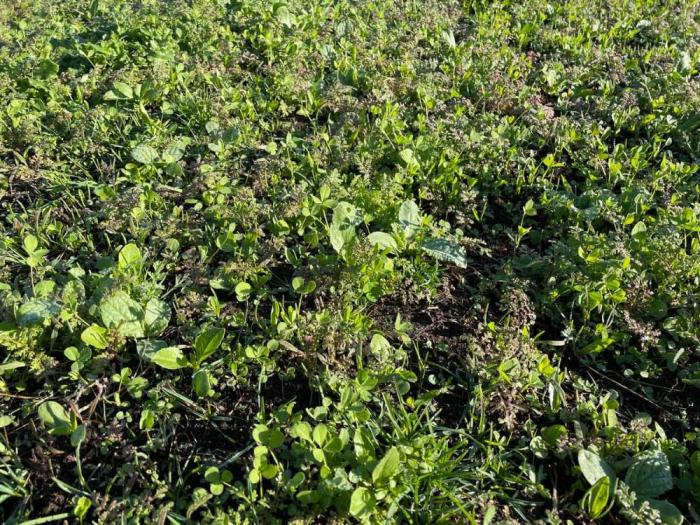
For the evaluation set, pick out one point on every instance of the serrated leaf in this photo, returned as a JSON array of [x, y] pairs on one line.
[[445, 250], [649, 475], [144, 154]]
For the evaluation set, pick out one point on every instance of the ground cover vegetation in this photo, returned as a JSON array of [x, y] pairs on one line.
[[336, 261]]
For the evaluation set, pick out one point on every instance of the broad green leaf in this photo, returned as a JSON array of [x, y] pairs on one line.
[[553, 434], [409, 218], [639, 229], [284, 17], [147, 419], [342, 230], [341, 237], [362, 443], [208, 342], [594, 467], [269, 471], [387, 467], [320, 434], [144, 154], [295, 481], [212, 474], [596, 499], [445, 250], [81, 507], [156, 317], [379, 344], [173, 153], [147, 348], [383, 240], [77, 436], [302, 430], [649, 475], [47, 68], [270, 437], [201, 382], [529, 209], [130, 258], [670, 515], [94, 335], [409, 158], [170, 357], [55, 418], [362, 502], [243, 291], [123, 90], [30, 243], [36, 311], [11, 365], [72, 353], [302, 286], [121, 312]]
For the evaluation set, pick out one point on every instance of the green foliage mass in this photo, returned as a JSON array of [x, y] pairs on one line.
[[349, 261]]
